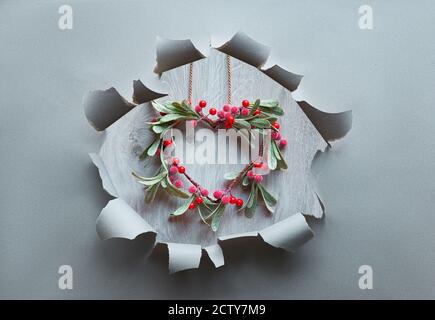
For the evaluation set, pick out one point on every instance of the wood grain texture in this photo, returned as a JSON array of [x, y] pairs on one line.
[[127, 138]]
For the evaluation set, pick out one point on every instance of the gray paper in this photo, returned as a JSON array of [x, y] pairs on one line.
[[186, 235]]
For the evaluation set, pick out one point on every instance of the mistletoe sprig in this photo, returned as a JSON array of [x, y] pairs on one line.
[[259, 116]]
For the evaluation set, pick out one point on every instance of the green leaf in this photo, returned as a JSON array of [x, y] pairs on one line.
[[254, 107], [245, 181], [251, 203], [260, 123], [269, 103], [271, 158], [278, 111], [269, 200], [151, 150], [217, 215], [172, 190], [242, 124], [231, 175], [183, 207], [151, 193], [282, 164], [172, 117], [148, 181], [159, 128], [160, 107]]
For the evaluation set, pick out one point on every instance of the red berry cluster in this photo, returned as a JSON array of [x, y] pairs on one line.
[[227, 198], [228, 113]]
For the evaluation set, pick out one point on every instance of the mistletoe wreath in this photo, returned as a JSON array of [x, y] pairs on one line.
[[260, 116]]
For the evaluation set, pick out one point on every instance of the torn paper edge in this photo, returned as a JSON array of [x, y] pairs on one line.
[[120, 221], [102, 108], [104, 175]]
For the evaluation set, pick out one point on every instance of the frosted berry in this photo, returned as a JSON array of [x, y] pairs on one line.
[[258, 178], [204, 192], [250, 174], [173, 169], [178, 183], [198, 109], [239, 202], [276, 135], [258, 164], [233, 200], [217, 194], [167, 143], [192, 189], [234, 110], [245, 111], [213, 111], [283, 143], [175, 161], [225, 199], [202, 103], [181, 169], [221, 114], [226, 108]]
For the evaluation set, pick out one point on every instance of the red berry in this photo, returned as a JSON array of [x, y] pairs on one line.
[[213, 111], [276, 125], [230, 119], [202, 103], [239, 202], [158, 152], [257, 112], [245, 103], [181, 169], [233, 200], [167, 142], [175, 161], [283, 143], [228, 125], [163, 114], [226, 108], [192, 205], [199, 200], [258, 164]]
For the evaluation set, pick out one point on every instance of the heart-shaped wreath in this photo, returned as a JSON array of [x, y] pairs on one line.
[[260, 116]]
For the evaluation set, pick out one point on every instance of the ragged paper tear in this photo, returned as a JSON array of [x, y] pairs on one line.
[[306, 128], [288, 234], [104, 175], [142, 94], [331, 126], [216, 255], [104, 107], [119, 220], [183, 256], [174, 53]]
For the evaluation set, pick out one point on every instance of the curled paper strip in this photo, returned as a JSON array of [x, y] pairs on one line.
[[104, 107], [244, 48], [183, 256], [216, 255], [289, 233], [174, 53], [142, 94], [104, 175], [119, 220], [331, 126]]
